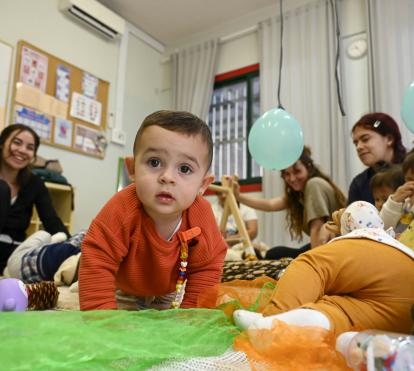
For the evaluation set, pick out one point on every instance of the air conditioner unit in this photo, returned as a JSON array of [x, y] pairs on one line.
[[95, 15]]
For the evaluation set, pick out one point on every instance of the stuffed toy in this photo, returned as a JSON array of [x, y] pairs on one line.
[[13, 295], [16, 296]]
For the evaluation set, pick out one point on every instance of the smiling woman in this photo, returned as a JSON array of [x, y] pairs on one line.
[[377, 139], [20, 190], [309, 200]]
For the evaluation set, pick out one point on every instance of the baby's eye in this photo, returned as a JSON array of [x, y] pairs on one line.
[[185, 169], [154, 162]]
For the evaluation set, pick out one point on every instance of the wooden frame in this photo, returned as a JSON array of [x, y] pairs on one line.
[[231, 208], [6, 56]]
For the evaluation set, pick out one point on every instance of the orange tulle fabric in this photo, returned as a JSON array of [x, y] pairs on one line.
[[290, 348], [284, 347], [238, 294]]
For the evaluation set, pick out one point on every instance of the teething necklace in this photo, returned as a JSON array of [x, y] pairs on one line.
[[184, 237]]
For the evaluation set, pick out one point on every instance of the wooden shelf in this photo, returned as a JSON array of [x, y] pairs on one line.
[[61, 195]]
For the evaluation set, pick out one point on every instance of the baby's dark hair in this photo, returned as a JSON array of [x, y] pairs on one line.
[[387, 175], [408, 163], [180, 122]]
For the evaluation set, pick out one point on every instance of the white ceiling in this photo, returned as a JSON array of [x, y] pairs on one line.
[[171, 20]]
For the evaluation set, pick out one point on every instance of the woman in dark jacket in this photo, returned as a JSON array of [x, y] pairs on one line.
[[20, 190]]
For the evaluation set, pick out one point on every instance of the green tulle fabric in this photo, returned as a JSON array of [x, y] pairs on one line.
[[110, 340]]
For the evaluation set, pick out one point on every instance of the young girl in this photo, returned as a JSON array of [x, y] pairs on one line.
[[310, 198], [377, 138], [362, 279], [398, 210], [20, 190], [384, 183]]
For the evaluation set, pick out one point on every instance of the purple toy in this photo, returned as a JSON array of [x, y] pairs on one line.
[[13, 295]]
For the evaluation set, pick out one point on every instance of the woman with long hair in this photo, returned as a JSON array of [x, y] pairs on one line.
[[309, 199], [20, 190]]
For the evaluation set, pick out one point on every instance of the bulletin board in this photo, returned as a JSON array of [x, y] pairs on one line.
[[65, 105]]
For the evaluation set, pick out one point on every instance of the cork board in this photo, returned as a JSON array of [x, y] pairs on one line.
[[64, 104]]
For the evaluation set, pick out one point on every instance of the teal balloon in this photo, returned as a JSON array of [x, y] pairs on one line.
[[276, 140], [407, 108]]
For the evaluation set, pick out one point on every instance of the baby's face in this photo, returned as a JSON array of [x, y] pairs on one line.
[[170, 171], [381, 195]]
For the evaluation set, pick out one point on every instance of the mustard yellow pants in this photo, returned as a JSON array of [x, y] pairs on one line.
[[357, 283]]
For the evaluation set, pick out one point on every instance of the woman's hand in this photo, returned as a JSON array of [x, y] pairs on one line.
[[403, 192], [325, 235], [235, 186]]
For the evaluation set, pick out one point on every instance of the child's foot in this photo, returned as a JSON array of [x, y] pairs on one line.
[[58, 237], [298, 317], [244, 318]]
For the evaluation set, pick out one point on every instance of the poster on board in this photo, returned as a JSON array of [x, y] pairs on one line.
[[63, 132], [88, 140], [86, 109], [39, 122], [33, 69], [62, 83]]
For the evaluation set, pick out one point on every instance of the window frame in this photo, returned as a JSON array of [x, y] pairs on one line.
[[245, 74]]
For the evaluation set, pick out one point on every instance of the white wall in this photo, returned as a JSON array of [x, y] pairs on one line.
[[243, 51], [43, 25]]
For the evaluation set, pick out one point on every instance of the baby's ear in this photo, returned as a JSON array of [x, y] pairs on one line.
[[129, 163], [208, 179]]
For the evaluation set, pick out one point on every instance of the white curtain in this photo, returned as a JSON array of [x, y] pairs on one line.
[[308, 92], [193, 71], [392, 41]]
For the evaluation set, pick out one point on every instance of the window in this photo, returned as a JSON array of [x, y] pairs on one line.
[[234, 108]]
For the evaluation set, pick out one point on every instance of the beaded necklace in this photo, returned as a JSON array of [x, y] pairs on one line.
[[184, 237]]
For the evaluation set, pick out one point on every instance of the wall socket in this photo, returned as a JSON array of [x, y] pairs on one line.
[[118, 136]]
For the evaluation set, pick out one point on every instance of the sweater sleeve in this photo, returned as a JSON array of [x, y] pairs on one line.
[[47, 212], [103, 249], [205, 275], [391, 213]]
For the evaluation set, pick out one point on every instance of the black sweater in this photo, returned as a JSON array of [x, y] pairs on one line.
[[34, 192]]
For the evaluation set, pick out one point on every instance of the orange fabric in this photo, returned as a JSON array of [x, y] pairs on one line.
[[238, 294], [286, 347], [122, 249]]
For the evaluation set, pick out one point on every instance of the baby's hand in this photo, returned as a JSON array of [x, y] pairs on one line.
[[404, 191]]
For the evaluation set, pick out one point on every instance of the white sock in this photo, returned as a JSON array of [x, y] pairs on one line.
[[244, 318], [297, 317], [58, 237]]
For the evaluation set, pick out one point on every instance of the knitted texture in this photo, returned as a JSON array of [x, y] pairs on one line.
[[123, 249]]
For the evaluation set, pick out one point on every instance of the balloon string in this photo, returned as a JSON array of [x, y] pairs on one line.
[[281, 54], [338, 33]]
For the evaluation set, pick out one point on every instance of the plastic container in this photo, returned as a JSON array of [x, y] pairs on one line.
[[377, 350]]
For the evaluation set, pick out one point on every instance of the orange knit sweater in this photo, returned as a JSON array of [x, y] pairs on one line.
[[123, 250]]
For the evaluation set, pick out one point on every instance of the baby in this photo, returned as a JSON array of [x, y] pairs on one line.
[[363, 278]]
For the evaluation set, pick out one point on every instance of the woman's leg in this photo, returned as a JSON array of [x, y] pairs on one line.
[[35, 241]]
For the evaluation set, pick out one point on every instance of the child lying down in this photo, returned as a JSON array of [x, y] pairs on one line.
[[362, 279]]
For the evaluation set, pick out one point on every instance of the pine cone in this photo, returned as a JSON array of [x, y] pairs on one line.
[[42, 295]]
